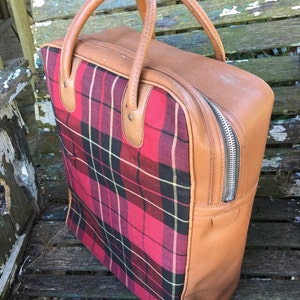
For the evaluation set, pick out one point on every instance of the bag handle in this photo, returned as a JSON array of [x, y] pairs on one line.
[[148, 13], [204, 21]]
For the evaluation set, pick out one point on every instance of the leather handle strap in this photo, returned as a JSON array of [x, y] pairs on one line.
[[204, 21], [148, 13]]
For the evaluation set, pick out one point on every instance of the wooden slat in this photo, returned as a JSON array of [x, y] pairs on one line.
[[284, 69], [21, 21], [281, 235], [240, 38], [7, 237], [284, 159], [281, 184], [56, 212], [53, 9], [66, 259], [287, 100], [9, 269], [169, 19], [286, 131], [275, 209], [271, 263], [78, 286], [5, 24], [13, 79], [52, 233], [267, 290], [95, 287]]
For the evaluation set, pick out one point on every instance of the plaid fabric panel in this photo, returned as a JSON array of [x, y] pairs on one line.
[[130, 206]]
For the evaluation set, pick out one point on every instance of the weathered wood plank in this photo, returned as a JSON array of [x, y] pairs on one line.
[[7, 237], [267, 290], [221, 13], [4, 24], [169, 19], [286, 131], [52, 233], [275, 209], [257, 262], [287, 100], [284, 69], [95, 287], [12, 80], [240, 38], [56, 212], [78, 286], [284, 159], [9, 269], [65, 259], [278, 235], [271, 263], [16, 169], [279, 184], [53, 9], [21, 21]]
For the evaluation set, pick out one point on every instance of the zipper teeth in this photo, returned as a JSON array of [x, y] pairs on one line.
[[231, 154]]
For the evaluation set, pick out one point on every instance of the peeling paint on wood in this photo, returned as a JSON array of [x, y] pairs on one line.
[[274, 163], [38, 3], [24, 171], [44, 113], [13, 150], [288, 183], [278, 133], [229, 11], [8, 270], [12, 80]]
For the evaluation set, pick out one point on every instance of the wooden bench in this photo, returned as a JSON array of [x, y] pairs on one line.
[[18, 187], [262, 37]]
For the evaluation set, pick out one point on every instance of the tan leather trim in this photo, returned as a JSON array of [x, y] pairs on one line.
[[208, 27], [204, 253], [141, 5], [67, 87], [148, 14], [202, 18], [140, 55], [133, 120], [70, 41]]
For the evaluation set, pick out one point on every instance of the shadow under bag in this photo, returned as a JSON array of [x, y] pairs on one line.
[[162, 151]]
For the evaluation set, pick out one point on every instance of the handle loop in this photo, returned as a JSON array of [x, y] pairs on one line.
[[147, 10], [204, 21]]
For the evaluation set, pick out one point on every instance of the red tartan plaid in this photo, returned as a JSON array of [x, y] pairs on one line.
[[130, 206]]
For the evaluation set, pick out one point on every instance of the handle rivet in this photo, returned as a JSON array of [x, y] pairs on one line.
[[130, 117]]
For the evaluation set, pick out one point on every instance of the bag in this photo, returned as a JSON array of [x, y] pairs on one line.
[[162, 151]]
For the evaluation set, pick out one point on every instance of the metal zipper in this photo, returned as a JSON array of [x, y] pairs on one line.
[[232, 154]]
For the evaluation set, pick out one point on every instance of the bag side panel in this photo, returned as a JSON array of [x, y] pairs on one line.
[[215, 260], [130, 206]]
